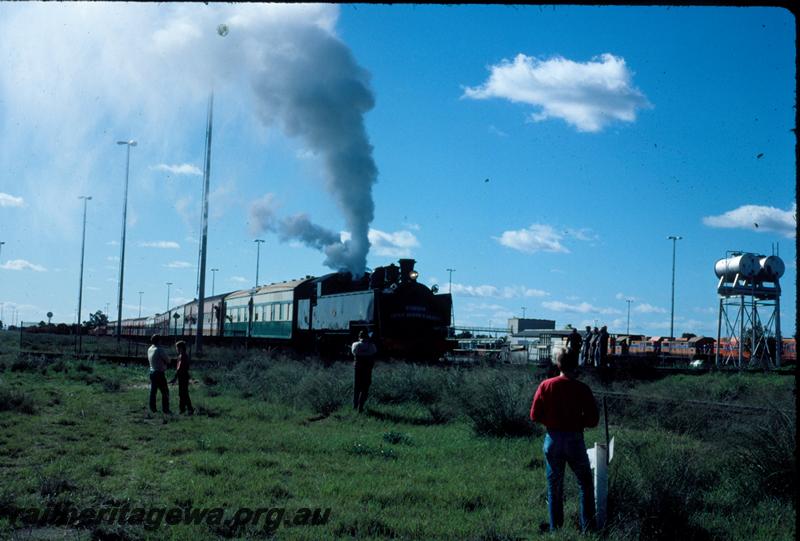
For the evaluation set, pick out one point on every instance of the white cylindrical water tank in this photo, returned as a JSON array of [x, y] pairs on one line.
[[745, 265], [771, 268]]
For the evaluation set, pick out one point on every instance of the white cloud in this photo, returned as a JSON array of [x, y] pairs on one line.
[[581, 308], [179, 265], [239, 279], [170, 244], [757, 218], [182, 169], [587, 95], [536, 238], [21, 264], [645, 308], [7, 200], [112, 258], [507, 292], [623, 296], [397, 244]]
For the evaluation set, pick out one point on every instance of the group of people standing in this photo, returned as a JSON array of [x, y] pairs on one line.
[[591, 349]]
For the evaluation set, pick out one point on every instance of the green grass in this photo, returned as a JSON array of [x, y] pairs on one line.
[[419, 465]]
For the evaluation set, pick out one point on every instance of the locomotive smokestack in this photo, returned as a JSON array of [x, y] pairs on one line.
[[407, 272]]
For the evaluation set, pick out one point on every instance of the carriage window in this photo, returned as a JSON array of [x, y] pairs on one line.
[[289, 311]]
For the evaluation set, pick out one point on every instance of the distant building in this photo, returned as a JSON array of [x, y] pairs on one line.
[[537, 338], [517, 324]]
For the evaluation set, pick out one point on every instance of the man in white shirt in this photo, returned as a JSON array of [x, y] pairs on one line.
[[364, 352], [158, 360]]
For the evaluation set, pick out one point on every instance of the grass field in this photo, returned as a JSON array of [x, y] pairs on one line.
[[441, 453]]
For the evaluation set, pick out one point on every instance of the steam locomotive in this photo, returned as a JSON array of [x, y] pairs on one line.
[[404, 317]]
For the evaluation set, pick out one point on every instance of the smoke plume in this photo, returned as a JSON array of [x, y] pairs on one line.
[[321, 95]]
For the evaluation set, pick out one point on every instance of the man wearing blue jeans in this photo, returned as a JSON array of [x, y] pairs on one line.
[[565, 406], [158, 360]]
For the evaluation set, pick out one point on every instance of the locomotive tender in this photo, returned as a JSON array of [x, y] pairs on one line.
[[324, 314]]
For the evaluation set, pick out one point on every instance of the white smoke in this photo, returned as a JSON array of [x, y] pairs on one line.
[[74, 70]]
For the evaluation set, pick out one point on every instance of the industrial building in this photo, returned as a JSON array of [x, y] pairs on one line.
[[534, 340]]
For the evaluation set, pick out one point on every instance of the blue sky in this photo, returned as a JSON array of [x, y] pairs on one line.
[[545, 153]]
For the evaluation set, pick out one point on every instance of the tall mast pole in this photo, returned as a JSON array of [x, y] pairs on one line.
[[204, 239]]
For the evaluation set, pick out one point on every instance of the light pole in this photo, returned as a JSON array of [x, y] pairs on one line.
[[523, 312], [86, 199], [450, 288], [140, 303], [1, 247], [128, 144], [629, 301], [168, 286], [674, 239], [213, 280], [258, 242]]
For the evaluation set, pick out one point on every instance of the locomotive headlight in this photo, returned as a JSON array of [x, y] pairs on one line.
[[413, 275]]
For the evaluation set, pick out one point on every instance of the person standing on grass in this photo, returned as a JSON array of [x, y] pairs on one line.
[[182, 376], [565, 406], [158, 360], [363, 352]]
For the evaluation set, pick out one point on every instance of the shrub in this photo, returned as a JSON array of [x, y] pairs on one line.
[[767, 452], [655, 489], [11, 400], [499, 405], [322, 391], [402, 383], [29, 364]]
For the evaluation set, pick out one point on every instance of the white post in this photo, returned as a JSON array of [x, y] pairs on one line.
[[599, 457], [601, 484]]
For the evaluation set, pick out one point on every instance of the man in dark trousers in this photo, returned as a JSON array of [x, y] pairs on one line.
[[363, 352], [565, 406], [602, 354], [158, 360], [585, 348], [182, 376], [593, 350], [574, 342]]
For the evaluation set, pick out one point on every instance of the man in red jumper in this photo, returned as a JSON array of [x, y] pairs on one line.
[[565, 406]]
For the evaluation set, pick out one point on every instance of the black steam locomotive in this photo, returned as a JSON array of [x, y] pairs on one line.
[[324, 314]]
